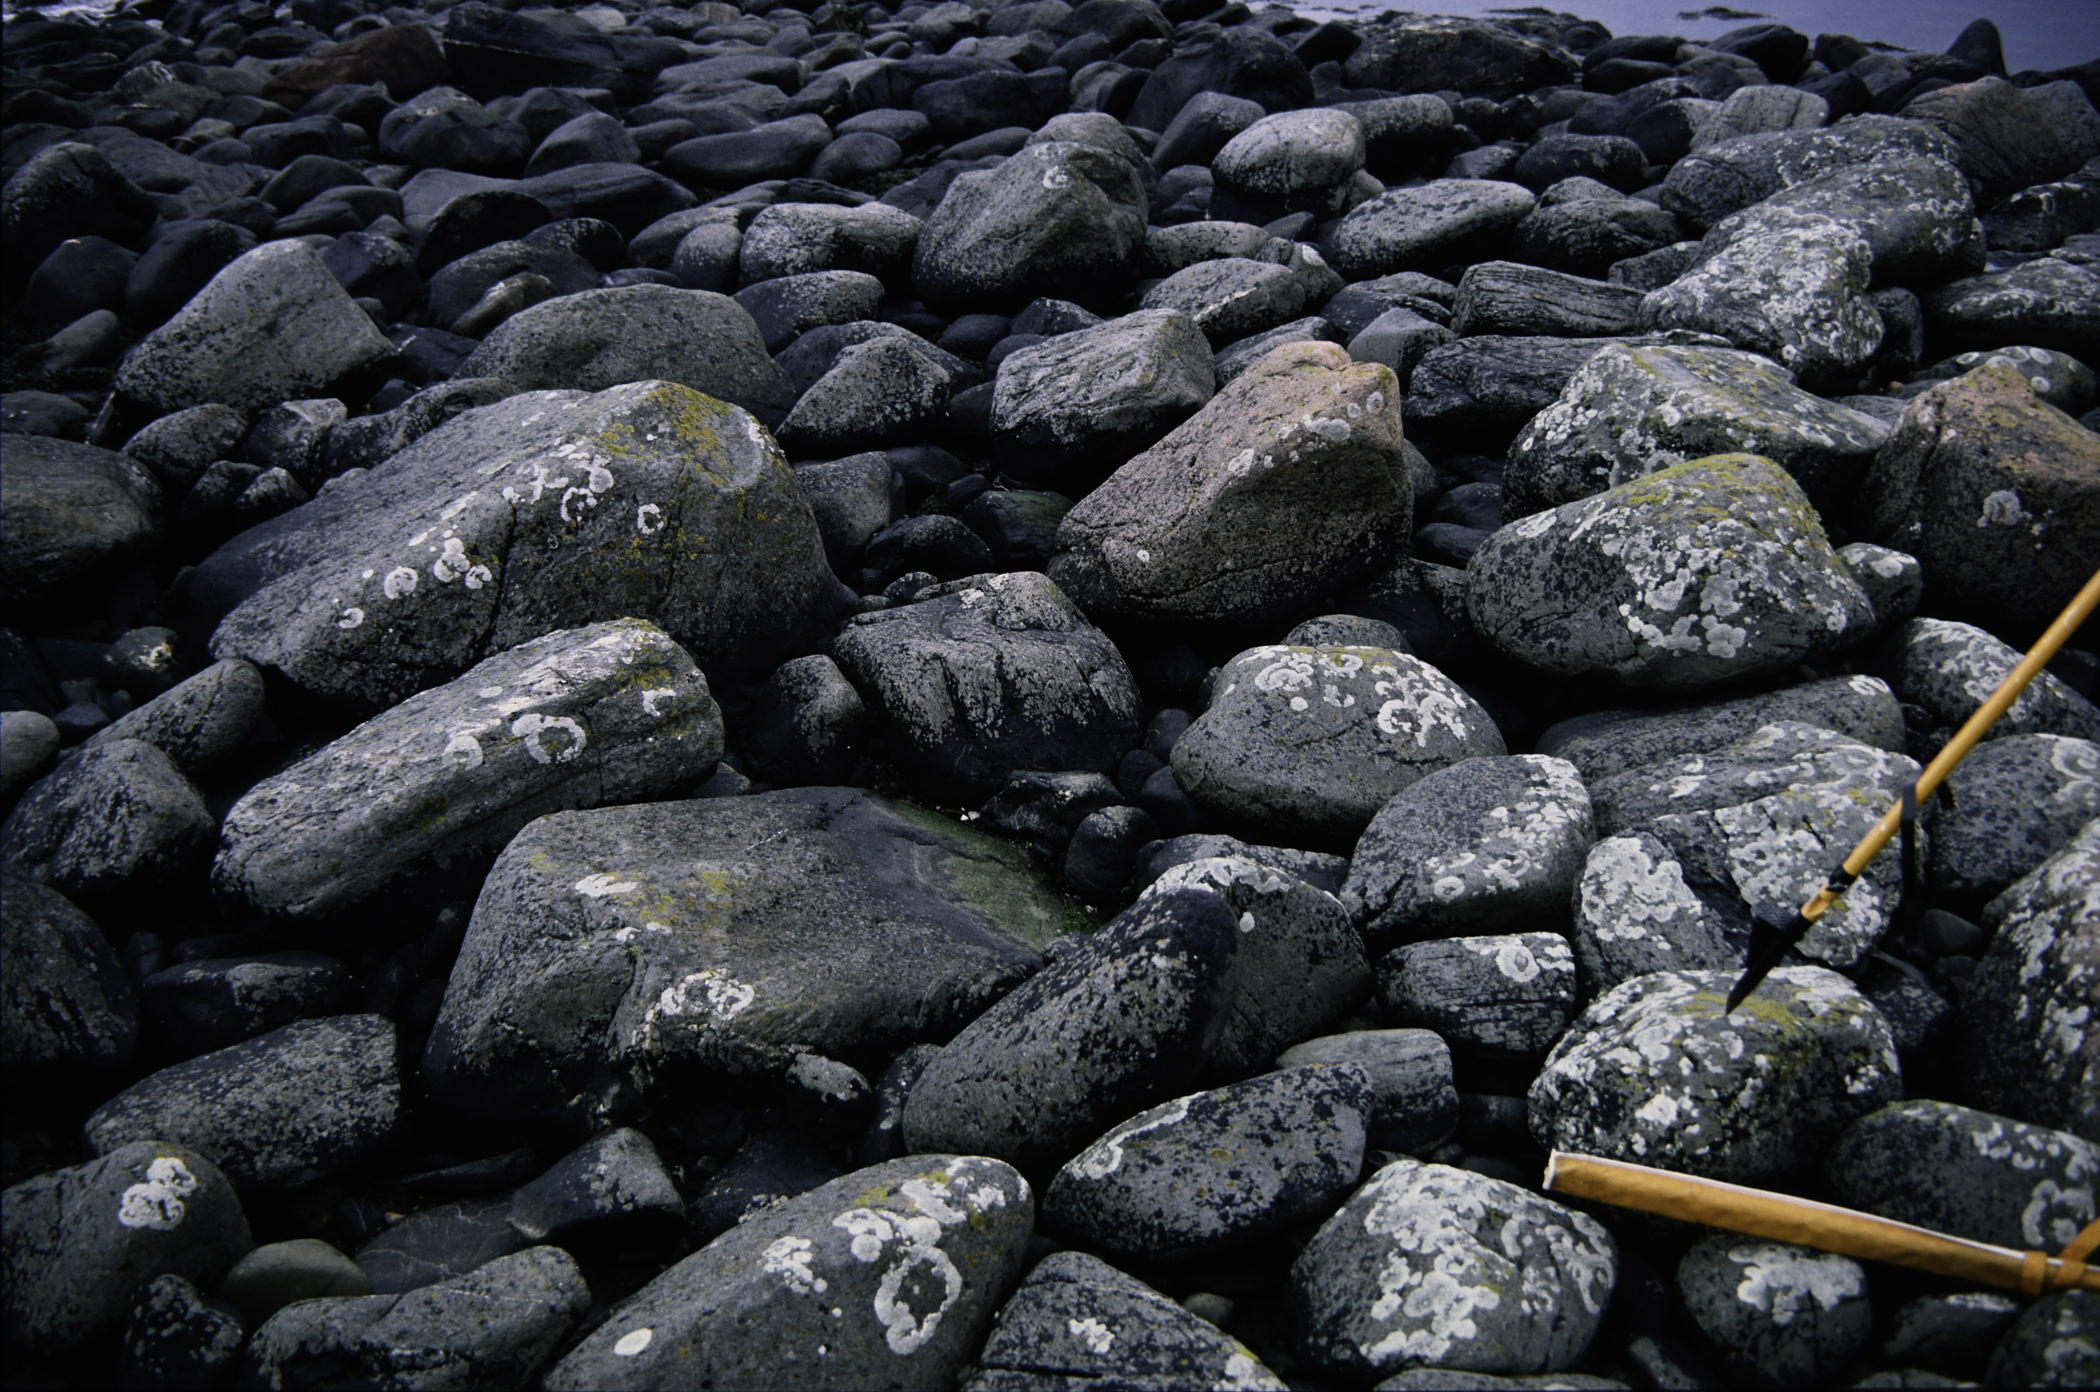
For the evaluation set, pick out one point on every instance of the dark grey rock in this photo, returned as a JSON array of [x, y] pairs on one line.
[[278, 1273], [2051, 1345], [1431, 53], [28, 739], [174, 1337], [1783, 757], [2046, 302], [612, 1189], [769, 1169], [495, 1326], [1414, 1106], [722, 937], [706, 257], [1431, 1265], [1894, 582], [1710, 183], [998, 672], [1612, 160], [72, 518], [1426, 228], [591, 138], [1045, 808], [1584, 228], [1231, 297], [1059, 219], [808, 725], [1953, 1333], [115, 827], [1104, 850], [1202, 1172], [1739, 1097], [1488, 386], [1316, 868], [67, 1001], [877, 394], [275, 1112], [1627, 605], [463, 284], [1499, 998], [43, 414], [1302, 159], [851, 500], [78, 1242], [1172, 249], [932, 544], [1111, 1027], [1077, 1322], [178, 448], [1202, 126], [1483, 844], [1020, 525], [68, 190], [366, 442], [2057, 378], [1782, 1315], [1637, 911], [1241, 61], [210, 1003], [2017, 801], [1504, 297], [914, 1254], [439, 1244]]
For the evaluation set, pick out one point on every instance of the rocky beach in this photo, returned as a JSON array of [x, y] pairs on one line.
[[799, 695]]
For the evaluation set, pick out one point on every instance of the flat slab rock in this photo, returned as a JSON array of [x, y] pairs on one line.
[[1609, 742], [723, 937]]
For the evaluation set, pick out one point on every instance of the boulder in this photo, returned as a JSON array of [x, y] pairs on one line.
[[1504, 297], [2015, 802], [116, 828], [1637, 911], [796, 238], [1231, 297], [67, 1003], [1426, 228], [1783, 1315], [1710, 183], [1059, 219], [1480, 57], [877, 394], [2001, 140], [1303, 159], [72, 518], [1949, 669], [1414, 1106], [2047, 302], [1502, 998]]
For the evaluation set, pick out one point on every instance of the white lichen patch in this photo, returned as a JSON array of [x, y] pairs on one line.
[[907, 1237], [789, 1259], [1097, 1336], [1783, 1280], [1626, 894], [157, 1203], [632, 1343], [1105, 1156]]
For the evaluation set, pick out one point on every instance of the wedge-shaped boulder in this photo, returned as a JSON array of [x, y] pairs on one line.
[[1291, 483], [545, 511], [610, 713], [1696, 574], [720, 938], [1608, 742], [1716, 180]]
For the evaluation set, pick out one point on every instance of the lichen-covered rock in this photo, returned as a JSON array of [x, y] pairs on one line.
[[1290, 483], [1604, 743], [1636, 912], [1300, 157], [1059, 219], [1299, 967], [876, 394], [2015, 802], [78, 1241], [1300, 741], [1107, 1029], [611, 1189], [1077, 1322], [614, 712], [2055, 1343], [796, 238], [1432, 1266], [1658, 1073], [1231, 298], [1893, 580], [1205, 1171], [1630, 411], [65, 998], [545, 511], [116, 827], [1916, 214], [1000, 672], [1785, 1316], [2031, 1050], [2046, 302], [1507, 297], [1696, 574], [175, 1337], [274, 1112], [1996, 493], [1075, 407], [1414, 1106], [1951, 669], [886, 1277], [1785, 756], [1502, 997], [722, 937], [1486, 843], [1967, 1173], [1716, 180]]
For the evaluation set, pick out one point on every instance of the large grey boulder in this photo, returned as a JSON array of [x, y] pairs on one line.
[[1313, 742], [876, 394], [634, 333], [1638, 910], [1506, 297], [666, 942], [1630, 411], [273, 326], [1288, 484], [544, 511], [2013, 803], [1484, 844], [1000, 672], [1694, 575], [1783, 757], [114, 828], [1427, 227], [1915, 213], [1608, 742], [1657, 1072], [79, 1241], [1107, 1029], [1060, 219], [1414, 1106], [1302, 158], [614, 712], [886, 1277], [2046, 302], [1232, 297], [1078, 1319], [1500, 998], [66, 1000], [1707, 185], [1432, 1266], [1076, 407], [1205, 1171], [72, 518], [275, 1112]]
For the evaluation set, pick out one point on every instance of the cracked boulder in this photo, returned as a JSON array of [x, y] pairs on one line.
[[1697, 574], [615, 712], [667, 944], [544, 511]]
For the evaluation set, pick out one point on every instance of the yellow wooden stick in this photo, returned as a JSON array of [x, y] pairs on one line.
[[1807, 1223]]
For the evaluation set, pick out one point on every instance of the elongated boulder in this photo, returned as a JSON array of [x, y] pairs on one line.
[[614, 712], [1290, 483], [1710, 183], [670, 942], [1696, 574], [544, 511]]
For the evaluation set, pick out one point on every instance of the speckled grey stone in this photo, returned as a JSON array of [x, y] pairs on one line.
[[1302, 742], [1709, 184], [1231, 298], [1107, 1029], [2056, 1343], [1432, 1266], [1484, 844], [1316, 868], [796, 238], [1893, 580], [439, 1244], [1916, 214], [1507, 297], [1636, 911], [1784, 756], [64, 999], [2047, 301], [491, 1328], [2016, 802], [1950, 1333], [1078, 1323], [1414, 1107], [886, 1277], [28, 739], [669, 942], [1059, 218], [1784, 1316], [2028, 1049], [1654, 1072], [175, 1337], [1968, 1173], [1215, 1168], [117, 827], [198, 722], [1700, 573], [997, 673], [1952, 668], [274, 1112], [1425, 228], [1629, 411], [612, 1187], [1501, 997], [72, 518], [79, 1241], [614, 712], [1299, 968]]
